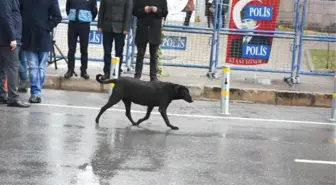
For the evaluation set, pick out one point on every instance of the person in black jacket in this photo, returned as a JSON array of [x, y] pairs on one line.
[[39, 18], [10, 42], [80, 14], [149, 14], [114, 21]]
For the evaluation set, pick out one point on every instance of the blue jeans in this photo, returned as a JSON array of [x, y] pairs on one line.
[[37, 63], [23, 73]]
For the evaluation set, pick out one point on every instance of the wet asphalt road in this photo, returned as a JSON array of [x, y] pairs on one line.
[[58, 144]]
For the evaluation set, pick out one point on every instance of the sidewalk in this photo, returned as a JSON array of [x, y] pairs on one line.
[[253, 87]]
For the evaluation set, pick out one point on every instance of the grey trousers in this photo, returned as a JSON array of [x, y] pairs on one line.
[[9, 65]]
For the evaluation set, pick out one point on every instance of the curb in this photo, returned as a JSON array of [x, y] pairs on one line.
[[204, 92]]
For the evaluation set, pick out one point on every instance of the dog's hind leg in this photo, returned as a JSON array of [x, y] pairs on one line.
[[163, 112], [149, 110], [128, 111], [114, 99]]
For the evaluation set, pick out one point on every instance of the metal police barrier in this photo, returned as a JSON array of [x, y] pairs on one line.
[[225, 91], [333, 105], [333, 112], [114, 72]]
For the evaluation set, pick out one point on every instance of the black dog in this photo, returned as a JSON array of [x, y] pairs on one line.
[[150, 94]]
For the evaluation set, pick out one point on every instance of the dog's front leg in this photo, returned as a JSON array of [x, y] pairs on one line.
[[149, 110], [163, 112], [128, 111]]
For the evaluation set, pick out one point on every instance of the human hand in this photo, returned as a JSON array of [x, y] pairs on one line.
[[154, 9], [100, 30], [148, 9], [125, 32], [13, 44]]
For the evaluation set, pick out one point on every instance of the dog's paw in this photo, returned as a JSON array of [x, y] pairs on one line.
[[174, 128], [97, 121]]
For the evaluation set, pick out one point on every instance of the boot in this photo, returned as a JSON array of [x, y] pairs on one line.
[[84, 74], [68, 74], [153, 69], [105, 76]]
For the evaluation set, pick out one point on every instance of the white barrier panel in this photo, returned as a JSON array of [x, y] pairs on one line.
[[114, 72], [225, 91]]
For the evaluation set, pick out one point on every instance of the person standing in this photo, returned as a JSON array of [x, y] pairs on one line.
[[10, 42], [80, 14], [149, 14], [190, 7], [39, 17], [114, 21]]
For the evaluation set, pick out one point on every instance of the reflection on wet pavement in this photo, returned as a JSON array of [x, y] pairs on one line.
[[53, 146]]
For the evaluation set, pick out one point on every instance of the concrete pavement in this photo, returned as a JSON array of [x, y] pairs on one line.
[[57, 143], [252, 87]]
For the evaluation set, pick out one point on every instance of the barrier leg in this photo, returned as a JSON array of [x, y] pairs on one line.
[[333, 104], [225, 91], [115, 62]]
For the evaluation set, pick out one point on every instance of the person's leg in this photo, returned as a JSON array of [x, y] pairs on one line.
[[84, 32], [11, 67], [34, 79], [187, 18], [3, 92], [141, 50], [119, 48], [42, 65], [23, 74], [107, 44], [153, 48], [224, 16], [72, 43], [212, 18]]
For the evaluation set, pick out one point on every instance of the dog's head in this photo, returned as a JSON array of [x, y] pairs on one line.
[[182, 92]]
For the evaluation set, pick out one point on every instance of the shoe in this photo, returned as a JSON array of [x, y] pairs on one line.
[[35, 99], [22, 87], [105, 77], [85, 75], [18, 103], [3, 100], [68, 74]]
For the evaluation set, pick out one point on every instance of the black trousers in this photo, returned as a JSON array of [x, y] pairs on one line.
[[108, 38], [9, 66], [75, 30], [153, 51]]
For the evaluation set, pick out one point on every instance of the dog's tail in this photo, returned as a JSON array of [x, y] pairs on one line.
[[98, 78]]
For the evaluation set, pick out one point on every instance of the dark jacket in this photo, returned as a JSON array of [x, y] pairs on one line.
[[115, 15], [10, 22], [39, 18], [149, 24], [81, 10]]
